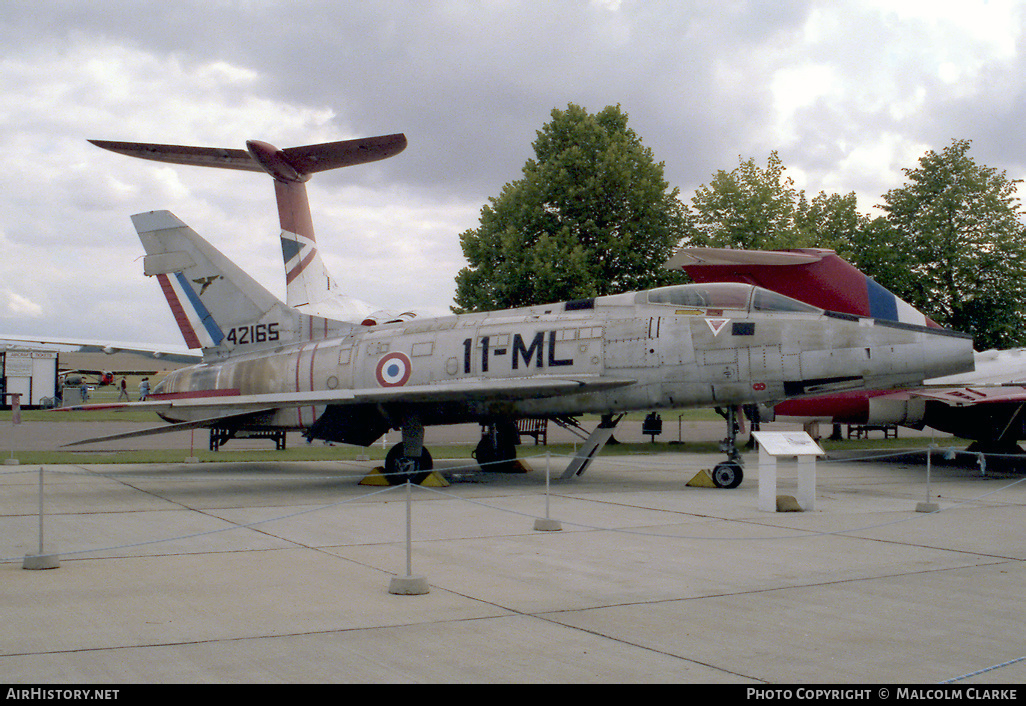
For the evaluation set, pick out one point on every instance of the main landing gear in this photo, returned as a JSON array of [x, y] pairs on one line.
[[409, 460], [399, 467], [729, 473], [497, 450]]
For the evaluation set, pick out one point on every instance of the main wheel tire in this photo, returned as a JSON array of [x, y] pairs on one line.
[[728, 474], [399, 467], [496, 460]]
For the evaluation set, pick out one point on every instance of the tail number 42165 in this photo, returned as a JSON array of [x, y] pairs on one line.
[[256, 333]]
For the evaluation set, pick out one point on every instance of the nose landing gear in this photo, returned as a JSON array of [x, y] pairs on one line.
[[729, 473]]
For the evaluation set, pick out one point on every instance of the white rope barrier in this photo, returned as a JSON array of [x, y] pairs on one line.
[[982, 671]]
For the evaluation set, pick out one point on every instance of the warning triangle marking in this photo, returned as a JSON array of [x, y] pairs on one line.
[[716, 325]]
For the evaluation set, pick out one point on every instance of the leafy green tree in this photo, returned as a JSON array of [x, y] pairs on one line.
[[955, 246], [952, 242], [831, 221], [753, 208], [871, 250], [747, 208], [591, 216]]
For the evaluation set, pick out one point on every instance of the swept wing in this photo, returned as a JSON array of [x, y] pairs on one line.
[[225, 407]]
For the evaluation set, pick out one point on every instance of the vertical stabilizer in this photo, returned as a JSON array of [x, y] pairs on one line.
[[308, 285], [217, 306]]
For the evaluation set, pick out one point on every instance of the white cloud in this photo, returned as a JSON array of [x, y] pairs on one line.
[[17, 306], [865, 87]]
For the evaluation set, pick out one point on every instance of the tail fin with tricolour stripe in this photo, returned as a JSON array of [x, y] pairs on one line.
[[217, 306]]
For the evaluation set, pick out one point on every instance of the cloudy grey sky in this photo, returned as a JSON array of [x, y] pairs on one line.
[[849, 92]]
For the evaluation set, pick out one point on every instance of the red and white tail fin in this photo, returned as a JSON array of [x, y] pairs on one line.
[[309, 287], [815, 276]]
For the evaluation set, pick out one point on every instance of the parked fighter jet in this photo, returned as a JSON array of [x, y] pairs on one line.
[[271, 366], [985, 405]]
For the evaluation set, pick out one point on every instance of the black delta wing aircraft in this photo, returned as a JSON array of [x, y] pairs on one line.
[[339, 370]]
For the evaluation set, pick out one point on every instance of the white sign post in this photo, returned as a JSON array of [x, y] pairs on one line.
[[772, 445]]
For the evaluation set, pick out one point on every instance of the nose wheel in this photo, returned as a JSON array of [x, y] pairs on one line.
[[729, 473]]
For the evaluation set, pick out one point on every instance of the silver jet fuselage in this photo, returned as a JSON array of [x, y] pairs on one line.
[[673, 347]]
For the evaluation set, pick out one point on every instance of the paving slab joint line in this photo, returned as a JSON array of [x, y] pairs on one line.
[[249, 525]]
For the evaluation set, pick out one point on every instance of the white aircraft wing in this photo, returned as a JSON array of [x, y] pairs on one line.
[[164, 429], [222, 407], [171, 353]]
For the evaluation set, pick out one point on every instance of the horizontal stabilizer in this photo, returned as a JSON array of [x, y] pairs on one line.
[[311, 159], [181, 154], [166, 428], [304, 160]]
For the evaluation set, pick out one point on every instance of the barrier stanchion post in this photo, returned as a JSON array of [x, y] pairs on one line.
[[546, 524], [408, 585], [41, 560], [192, 458], [15, 421], [927, 506]]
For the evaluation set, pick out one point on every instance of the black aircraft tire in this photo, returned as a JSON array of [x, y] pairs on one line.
[[494, 460], [728, 474], [393, 473], [484, 452]]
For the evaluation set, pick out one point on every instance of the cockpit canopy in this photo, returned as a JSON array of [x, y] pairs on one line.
[[726, 295]]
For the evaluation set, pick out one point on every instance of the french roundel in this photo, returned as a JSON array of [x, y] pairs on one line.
[[393, 370]]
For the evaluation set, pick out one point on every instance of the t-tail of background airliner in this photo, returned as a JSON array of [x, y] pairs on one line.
[[310, 289]]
